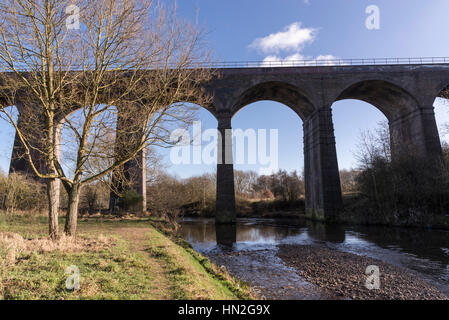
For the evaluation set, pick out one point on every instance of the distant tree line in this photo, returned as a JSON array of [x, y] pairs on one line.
[[168, 195]]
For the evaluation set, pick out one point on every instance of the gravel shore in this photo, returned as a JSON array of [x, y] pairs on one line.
[[343, 274], [268, 276]]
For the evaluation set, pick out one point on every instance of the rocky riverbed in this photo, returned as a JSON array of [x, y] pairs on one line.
[[305, 260], [343, 275], [267, 275]]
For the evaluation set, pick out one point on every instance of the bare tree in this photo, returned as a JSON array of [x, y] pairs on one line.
[[373, 145], [129, 60], [283, 185], [348, 180], [244, 181], [444, 101]]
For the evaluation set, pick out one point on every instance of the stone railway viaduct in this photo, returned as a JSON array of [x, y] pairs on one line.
[[404, 93]]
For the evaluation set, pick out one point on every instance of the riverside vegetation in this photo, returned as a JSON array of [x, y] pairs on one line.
[[382, 190], [127, 258]]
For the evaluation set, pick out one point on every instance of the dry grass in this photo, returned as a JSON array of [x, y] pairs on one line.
[[117, 259], [15, 244]]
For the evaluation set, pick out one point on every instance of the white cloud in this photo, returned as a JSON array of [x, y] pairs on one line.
[[293, 37], [298, 59], [327, 60], [291, 42]]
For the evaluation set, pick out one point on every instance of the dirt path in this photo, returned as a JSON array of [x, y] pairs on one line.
[[175, 273], [137, 238]]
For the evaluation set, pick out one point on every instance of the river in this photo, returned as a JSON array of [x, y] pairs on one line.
[[248, 251]]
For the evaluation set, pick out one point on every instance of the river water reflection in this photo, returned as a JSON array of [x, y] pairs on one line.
[[425, 252]]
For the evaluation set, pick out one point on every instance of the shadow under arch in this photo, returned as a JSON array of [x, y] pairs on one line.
[[226, 235], [321, 231], [281, 92], [391, 99]]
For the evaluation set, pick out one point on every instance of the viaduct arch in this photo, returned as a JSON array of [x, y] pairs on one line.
[[404, 93]]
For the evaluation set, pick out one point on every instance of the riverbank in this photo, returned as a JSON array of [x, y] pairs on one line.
[[116, 259], [268, 275], [359, 210], [252, 255], [343, 275]]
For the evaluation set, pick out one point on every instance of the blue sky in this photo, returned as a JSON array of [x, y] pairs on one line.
[[408, 28]]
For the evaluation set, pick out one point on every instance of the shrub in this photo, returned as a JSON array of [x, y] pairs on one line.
[[18, 192], [130, 201], [401, 188], [94, 197]]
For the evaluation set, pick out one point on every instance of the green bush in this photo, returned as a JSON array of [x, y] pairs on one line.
[[131, 201], [18, 192]]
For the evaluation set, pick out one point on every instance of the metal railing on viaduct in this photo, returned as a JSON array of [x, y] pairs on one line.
[[325, 62]]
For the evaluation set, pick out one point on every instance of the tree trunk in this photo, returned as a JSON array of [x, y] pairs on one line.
[[53, 207], [71, 221]]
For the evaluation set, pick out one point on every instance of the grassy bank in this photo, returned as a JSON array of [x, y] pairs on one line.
[[117, 259]]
